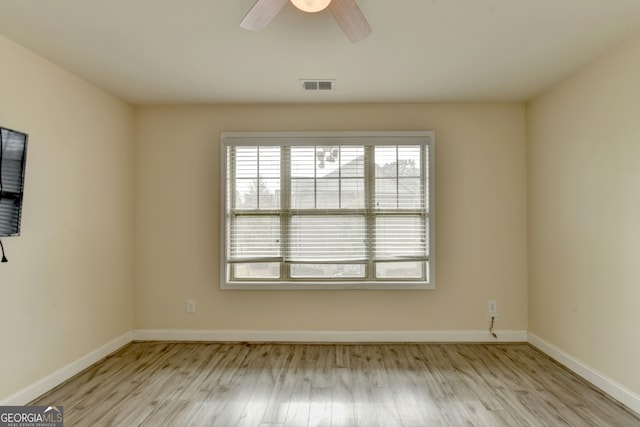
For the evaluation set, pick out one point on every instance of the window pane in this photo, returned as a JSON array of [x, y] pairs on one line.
[[402, 160], [386, 193], [386, 158], [399, 270], [246, 162], [327, 194], [255, 236], [269, 162], [325, 238], [257, 194], [303, 161], [400, 236], [303, 193], [352, 193], [246, 193], [327, 161], [327, 271], [269, 192], [398, 171], [409, 160], [409, 196], [257, 270], [257, 177], [399, 194], [352, 161]]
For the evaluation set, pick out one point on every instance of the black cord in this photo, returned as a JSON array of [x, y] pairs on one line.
[[493, 319], [4, 258]]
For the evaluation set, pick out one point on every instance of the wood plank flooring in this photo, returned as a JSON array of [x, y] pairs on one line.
[[267, 385]]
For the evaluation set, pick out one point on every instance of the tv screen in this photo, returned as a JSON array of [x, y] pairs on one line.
[[13, 157]]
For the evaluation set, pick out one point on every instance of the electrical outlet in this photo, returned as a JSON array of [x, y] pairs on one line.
[[493, 306], [191, 306], [495, 316]]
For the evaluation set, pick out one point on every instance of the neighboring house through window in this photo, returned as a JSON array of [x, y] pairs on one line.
[[322, 210]]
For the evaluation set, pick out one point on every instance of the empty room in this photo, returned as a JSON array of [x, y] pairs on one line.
[[320, 213]]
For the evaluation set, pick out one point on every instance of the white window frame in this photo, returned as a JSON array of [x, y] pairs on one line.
[[426, 138]]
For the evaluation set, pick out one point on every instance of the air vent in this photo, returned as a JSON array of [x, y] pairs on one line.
[[317, 85]]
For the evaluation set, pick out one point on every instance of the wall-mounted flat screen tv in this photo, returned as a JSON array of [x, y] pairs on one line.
[[13, 158]]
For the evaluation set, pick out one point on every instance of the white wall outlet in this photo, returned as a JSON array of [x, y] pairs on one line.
[[493, 306], [191, 306], [492, 312]]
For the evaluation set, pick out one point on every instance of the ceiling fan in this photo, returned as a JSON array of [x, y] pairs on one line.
[[346, 13]]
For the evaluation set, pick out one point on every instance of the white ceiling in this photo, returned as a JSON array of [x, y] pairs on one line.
[[193, 51]]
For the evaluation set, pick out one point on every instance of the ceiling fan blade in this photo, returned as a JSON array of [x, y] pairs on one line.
[[261, 14], [350, 19]]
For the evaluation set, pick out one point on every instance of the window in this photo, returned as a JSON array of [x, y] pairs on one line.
[[327, 210]]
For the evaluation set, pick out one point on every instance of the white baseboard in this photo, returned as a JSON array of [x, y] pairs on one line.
[[325, 336], [33, 391], [617, 391]]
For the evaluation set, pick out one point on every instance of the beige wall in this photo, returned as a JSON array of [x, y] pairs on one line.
[[584, 215], [67, 288], [481, 221]]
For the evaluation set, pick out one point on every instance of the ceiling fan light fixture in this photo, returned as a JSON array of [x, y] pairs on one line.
[[311, 6], [346, 13]]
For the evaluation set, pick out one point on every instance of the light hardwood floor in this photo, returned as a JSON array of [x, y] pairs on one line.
[[212, 384]]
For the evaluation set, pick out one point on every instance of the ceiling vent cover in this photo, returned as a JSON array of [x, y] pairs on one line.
[[317, 85]]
